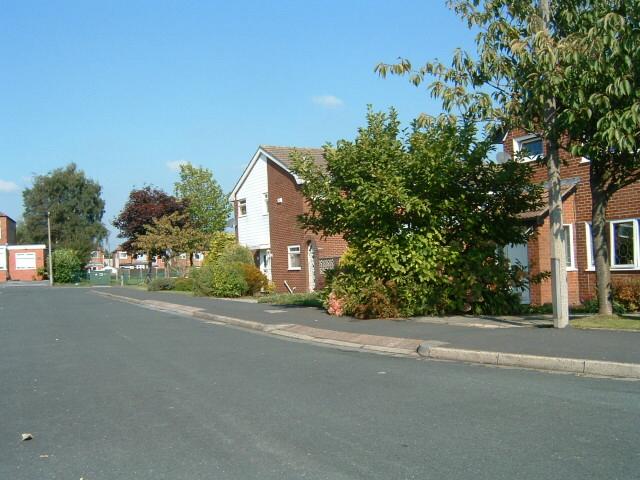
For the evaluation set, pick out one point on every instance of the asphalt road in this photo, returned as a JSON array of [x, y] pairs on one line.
[[113, 391]]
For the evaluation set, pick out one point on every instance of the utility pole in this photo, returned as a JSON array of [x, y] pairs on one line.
[[50, 257], [559, 292]]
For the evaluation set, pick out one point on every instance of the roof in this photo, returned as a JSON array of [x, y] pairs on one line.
[[281, 156], [565, 191], [2, 214]]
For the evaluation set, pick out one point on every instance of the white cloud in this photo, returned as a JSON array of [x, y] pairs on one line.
[[327, 101], [8, 187], [174, 165]]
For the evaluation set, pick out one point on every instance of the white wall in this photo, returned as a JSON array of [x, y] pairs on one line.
[[253, 228]]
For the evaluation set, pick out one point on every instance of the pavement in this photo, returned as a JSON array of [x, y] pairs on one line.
[[525, 342]]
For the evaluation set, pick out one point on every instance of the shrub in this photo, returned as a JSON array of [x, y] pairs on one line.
[[311, 299], [220, 280], [183, 284], [161, 284], [256, 280], [67, 266], [220, 241], [627, 294], [591, 305], [236, 254]]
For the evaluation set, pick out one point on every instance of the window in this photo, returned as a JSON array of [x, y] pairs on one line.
[[3, 258], [530, 146], [294, 257], [568, 246], [122, 255], [624, 243], [266, 203], [26, 261], [242, 207]]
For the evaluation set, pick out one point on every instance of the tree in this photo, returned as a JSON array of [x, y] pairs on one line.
[[143, 207], [67, 265], [75, 206], [209, 208], [171, 235], [424, 217], [602, 93]]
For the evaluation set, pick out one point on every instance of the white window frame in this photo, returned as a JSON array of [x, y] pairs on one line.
[[571, 264], [636, 246], [517, 147], [291, 250], [591, 264], [265, 197], [31, 256], [122, 255], [242, 205], [3, 258]]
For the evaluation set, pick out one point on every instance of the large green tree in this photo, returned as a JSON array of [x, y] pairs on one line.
[[601, 90], [424, 215], [75, 207], [208, 206]]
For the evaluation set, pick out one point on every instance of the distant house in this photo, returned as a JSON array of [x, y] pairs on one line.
[[128, 260], [18, 262], [267, 201], [623, 215]]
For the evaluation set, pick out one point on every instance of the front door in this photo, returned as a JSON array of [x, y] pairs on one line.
[[311, 266], [519, 255], [265, 263]]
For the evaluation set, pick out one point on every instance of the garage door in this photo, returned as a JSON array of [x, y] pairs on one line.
[[25, 261]]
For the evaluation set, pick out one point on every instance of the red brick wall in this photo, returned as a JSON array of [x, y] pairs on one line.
[[577, 211], [25, 275], [285, 231], [7, 231]]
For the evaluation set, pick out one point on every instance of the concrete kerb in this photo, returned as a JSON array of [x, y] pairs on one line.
[[556, 364]]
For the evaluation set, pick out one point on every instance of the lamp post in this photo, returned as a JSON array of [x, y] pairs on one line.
[[50, 257]]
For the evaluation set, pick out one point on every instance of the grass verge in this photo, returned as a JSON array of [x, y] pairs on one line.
[[300, 299], [611, 322]]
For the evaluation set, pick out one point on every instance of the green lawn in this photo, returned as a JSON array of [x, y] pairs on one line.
[[611, 322], [302, 299]]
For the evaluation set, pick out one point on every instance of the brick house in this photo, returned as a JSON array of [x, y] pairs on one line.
[[623, 215], [18, 262], [267, 201]]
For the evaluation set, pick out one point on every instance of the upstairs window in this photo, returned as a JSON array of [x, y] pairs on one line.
[[294, 257], [122, 255], [530, 147], [242, 207]]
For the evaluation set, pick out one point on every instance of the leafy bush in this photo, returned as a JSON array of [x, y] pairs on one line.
[[627, 294], [67, 266], [256, 280], [236, 254], [424, 215], [220, 280], [591, 305], [183, 284], [220, 242], [161, 284]]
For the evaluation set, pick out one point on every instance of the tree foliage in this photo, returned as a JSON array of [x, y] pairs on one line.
[[170, 236], [75, 206], [143, 207], [209, 208], [424, 216]]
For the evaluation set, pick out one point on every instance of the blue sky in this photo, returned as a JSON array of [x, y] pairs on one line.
[[129, 89]]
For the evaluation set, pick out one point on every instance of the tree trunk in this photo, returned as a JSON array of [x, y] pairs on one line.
[[557, 246], [601, 257]]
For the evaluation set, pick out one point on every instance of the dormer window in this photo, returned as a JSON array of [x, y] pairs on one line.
[[530, 147]]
